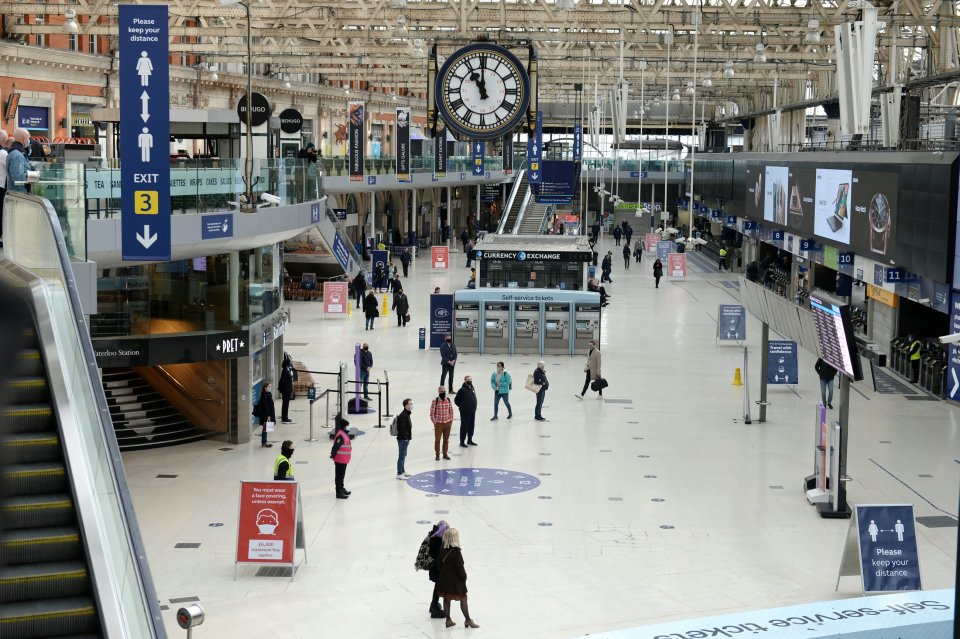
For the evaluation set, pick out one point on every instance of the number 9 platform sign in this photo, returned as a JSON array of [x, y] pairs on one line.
[[144, 133], [270, 525]]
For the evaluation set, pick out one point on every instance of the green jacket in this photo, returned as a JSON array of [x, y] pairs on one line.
[[505, 383]]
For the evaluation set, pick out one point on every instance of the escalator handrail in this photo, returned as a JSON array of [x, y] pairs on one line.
[[136, 547]]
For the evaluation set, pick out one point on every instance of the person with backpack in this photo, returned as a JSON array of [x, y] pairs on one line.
[[501, 384], [428, 558], [626, 256], [466, 401], [404, 433]]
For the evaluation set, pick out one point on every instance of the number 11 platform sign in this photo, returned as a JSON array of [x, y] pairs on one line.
[[144, 133]]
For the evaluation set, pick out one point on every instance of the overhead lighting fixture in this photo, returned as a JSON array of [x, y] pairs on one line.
[[286, 83], [760, 56], [690, 89], [813, 32], [676, 95], [71, 26], [656, 101], [707, 82], [728, 70], [214, 76], [346, 90], [393, 96]]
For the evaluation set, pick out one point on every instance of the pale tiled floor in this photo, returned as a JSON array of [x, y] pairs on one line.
[[736, 543]]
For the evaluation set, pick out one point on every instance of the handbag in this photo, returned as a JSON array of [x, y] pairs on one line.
[[598, 384], [423, 560], [531, 386], [270, 426]]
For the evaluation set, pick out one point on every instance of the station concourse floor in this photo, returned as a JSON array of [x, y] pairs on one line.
[[656, 504]]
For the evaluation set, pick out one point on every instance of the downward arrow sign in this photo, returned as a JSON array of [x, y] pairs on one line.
[[146, 239], [145, 106], [477, 170], [956, 383], [534, 175]]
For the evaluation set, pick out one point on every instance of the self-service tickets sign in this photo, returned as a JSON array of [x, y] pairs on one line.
[[441, 257], [270, 525], [335, 297]]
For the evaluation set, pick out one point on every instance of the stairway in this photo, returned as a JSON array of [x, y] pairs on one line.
[[45, 587], [533, 219], [518, 196], [142, 418]]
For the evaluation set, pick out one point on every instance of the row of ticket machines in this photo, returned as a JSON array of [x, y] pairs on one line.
[[536, 321]]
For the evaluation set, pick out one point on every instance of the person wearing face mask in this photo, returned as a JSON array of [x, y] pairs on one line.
[[592, 369], [466, 401], [366, 363], [448, 359], [501, 384], [404, 435], [441, 414], [540, 379], [265, 412], [282, 466], [340, 454]]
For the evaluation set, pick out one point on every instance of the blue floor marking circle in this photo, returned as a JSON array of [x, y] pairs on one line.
[[473, 482]]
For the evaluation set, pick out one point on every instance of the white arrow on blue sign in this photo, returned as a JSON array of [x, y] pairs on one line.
[[144, 126]]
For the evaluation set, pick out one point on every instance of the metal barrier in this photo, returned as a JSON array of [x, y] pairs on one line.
[[341, 401]]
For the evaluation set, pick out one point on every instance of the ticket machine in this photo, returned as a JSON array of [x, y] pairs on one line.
[[496, 327], [556, 328], [526, 327], [466, 325], [587, 326]]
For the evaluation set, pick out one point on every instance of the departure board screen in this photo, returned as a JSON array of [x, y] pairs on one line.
[[835, 337]]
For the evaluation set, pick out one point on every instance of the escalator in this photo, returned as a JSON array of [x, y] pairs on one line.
[[519, 199], [72, 561], [533, 221], [45, 587]]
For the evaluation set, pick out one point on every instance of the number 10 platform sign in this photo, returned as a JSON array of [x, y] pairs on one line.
[[144, 133]]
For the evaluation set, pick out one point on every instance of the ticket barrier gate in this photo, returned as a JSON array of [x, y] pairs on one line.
[[496, 327], [526, 328], [466, 326], [556, 328], [587, 326]]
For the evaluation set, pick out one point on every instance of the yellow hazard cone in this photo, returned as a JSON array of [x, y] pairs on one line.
[[736, 378], [386, 309]]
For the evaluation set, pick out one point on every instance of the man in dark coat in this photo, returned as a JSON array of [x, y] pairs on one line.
[[359, 287], [370, 310], [448, 359], [466, 401], [606, 266], [265, 412], [285, 386], [405, 262], [402, 306], [366, 363], [617, 234]]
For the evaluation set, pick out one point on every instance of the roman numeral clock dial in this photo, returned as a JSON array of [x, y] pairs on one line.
[[482, 91]]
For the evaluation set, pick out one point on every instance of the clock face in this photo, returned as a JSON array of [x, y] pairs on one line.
[[879, 212], [482, 91]]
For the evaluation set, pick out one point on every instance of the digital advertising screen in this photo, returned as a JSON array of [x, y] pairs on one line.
[[800, 199], [775, 194], [754, 204], [831, 213], [873, 215]]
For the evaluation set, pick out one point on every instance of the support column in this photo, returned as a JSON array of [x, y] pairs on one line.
[[413, 217], [373, 217], [764, 369], [234, 284]]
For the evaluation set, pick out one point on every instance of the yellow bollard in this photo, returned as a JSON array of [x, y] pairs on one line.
[[386, 309], [736, 378], [349, 308]]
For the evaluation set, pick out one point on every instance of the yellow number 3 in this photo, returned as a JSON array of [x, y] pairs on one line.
[[145, 202]]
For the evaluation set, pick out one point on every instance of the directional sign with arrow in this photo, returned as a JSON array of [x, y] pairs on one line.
[[953, 352], [479, 151], [534, 147], [144, 131]]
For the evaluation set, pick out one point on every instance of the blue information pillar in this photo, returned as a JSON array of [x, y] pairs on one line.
[[479, 151], [535, 152], [144, 133]]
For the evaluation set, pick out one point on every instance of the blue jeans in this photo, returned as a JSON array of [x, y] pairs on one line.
[[540, 395], [826, 391], [506, 400], [402, 456], [263, 432], [370, 322], [365, 378]]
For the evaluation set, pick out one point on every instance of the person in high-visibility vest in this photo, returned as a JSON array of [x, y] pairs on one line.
[[282, 466], [915, 359], [340, 454], [723, 258]]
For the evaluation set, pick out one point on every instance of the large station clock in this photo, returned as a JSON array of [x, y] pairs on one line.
[[482, 91]]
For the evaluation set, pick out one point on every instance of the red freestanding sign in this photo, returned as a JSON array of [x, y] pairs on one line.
[[335, 297], [441, 257], [270, 525], [650, 242], [677, 264]]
